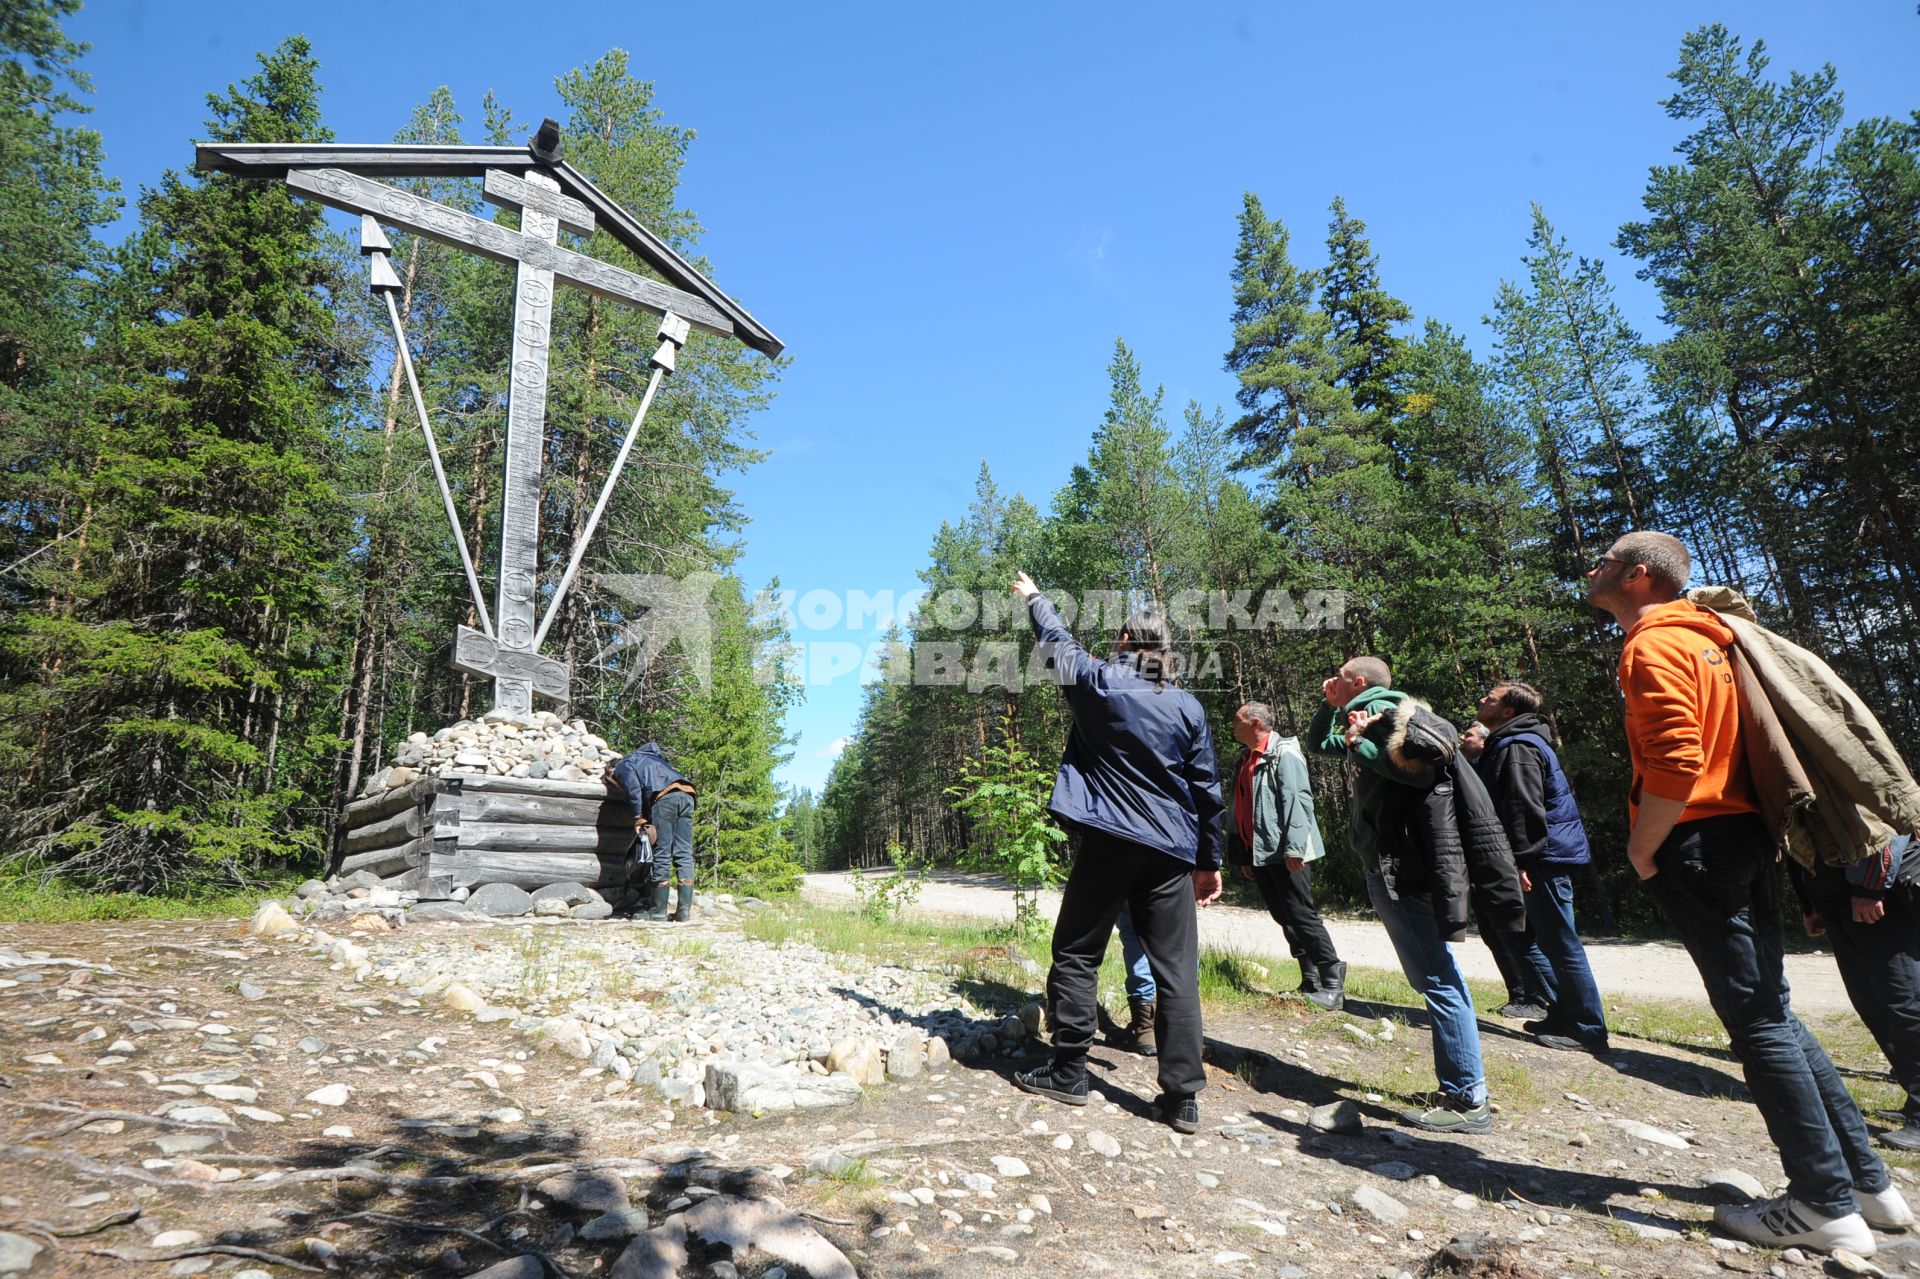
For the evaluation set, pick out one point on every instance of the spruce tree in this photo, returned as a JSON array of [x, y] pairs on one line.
[[181, 662], [53, 198]]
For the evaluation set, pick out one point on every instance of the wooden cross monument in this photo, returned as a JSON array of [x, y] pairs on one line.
[[551, 196]]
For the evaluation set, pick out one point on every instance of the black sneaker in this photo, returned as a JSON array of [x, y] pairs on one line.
[[1518, 1011], [1060, 1082], [1572, 1044], [1182, 1114], [1540, 1026], [1904, 1138]]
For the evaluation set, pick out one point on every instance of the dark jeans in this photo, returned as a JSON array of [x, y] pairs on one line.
[[1289, 899], [1158, 889], [1576, 1005], [1523, 967], [673, 814], [1880, 964], [1716, 886]]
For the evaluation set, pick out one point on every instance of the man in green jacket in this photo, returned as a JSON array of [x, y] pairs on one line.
[[1273, 836], [1362, 691]]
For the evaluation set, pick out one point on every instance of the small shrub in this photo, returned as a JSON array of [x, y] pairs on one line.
[[881, 898]]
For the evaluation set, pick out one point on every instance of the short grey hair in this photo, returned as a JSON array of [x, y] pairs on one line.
[[1371, 669], [1259, 712], [1664, 555]]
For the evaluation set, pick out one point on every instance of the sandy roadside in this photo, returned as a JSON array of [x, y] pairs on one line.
[[1644, 970]]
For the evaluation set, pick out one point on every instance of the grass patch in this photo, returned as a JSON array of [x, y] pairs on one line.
[[29, 901], [1677, 1023]]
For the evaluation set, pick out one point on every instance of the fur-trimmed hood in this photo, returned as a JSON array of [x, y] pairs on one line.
[[1417, 737]]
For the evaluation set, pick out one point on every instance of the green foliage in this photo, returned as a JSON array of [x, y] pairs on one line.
[[881, 898], [1455, 501], [27, 897], [1005, 792], [227, 595]]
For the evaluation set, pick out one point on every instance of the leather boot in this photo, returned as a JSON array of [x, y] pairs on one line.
[[658, 911], [1332, 994], [684, 912], [1137, 1034], [1309, 976]]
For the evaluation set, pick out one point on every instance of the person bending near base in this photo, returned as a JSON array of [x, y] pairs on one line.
[[1698, 843], [1139, 785]]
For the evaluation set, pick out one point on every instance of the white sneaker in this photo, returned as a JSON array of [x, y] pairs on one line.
[[1785, 1222], [1886, 1210]]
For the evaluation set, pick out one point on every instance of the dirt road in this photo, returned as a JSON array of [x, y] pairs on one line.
[[1643, 970]]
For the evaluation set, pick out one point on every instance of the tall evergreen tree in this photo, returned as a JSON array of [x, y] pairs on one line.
[[1569, 361], [181, 647], [1282, 352], [53, 199]]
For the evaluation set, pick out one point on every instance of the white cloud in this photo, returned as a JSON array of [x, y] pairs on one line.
[[834, 749]]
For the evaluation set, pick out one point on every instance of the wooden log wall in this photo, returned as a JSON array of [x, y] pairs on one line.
[[440, 833]]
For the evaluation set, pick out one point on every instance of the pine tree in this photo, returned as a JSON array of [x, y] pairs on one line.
[[1774, 244], [1570, 362]]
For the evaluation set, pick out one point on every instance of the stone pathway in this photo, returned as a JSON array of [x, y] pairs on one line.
[[183, 1098]]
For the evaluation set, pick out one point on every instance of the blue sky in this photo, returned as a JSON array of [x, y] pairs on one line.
[[949, 213]]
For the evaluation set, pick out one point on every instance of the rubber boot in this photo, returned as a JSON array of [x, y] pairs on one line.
[[1332, 994], [684, 912], [658, 911], [1309, 976]]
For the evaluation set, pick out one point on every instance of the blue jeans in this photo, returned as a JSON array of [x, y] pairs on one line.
[[673, 857], [1429, 968], [1133, 952], [1576, 1004], [1715, 884]]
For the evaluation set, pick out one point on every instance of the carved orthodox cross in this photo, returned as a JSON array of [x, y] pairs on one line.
[[537, 184]]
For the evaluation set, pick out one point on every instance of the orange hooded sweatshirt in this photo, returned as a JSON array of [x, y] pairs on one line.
[[1683, 716]]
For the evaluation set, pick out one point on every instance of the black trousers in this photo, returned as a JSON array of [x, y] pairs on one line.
[[1289, 899], [1107, 872], [1880, 967]]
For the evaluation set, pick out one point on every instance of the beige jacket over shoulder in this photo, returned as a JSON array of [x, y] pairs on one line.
[[1830, 783]]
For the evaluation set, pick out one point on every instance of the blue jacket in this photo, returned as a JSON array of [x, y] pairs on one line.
[[1530, 790], [644, 773], [1139, 762]]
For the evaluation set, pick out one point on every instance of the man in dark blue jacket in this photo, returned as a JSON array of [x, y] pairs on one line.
[[660, 794], [1139, 786], [1536, 806]]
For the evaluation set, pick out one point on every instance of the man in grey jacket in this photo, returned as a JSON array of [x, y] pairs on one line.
[[1273, 837]]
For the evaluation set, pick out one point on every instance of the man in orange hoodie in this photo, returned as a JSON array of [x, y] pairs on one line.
[[1698, 843]]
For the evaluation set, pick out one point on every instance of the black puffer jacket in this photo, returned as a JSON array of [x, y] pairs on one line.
[[1447, 840]]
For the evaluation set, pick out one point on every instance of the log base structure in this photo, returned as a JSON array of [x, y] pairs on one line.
[[459, 830]]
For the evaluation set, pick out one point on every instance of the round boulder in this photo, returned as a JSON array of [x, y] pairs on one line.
[[500, 900]]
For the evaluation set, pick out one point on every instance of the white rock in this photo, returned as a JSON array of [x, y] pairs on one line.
[[271, 920], [1647, 1132], [330, 1095]]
